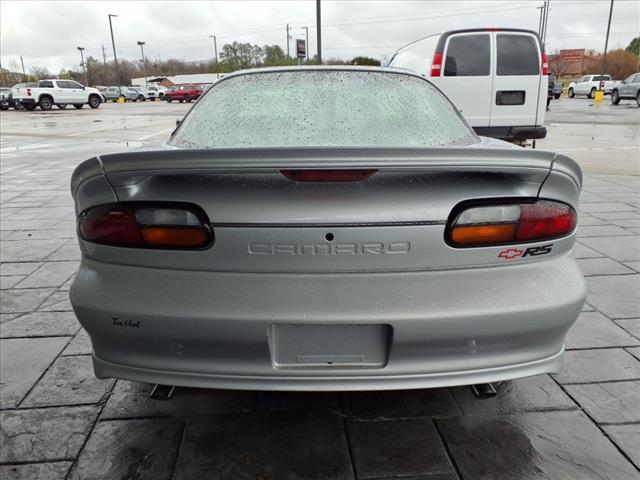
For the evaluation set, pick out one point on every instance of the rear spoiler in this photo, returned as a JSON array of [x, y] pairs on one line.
[[476, 158]]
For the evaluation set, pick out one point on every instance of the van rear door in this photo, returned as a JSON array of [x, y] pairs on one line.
[[519, 89], [466, 78]]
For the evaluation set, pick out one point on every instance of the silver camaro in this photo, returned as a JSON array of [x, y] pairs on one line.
[[327, 229]]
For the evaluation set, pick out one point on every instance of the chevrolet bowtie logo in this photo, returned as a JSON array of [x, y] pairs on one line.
[[511, 253]]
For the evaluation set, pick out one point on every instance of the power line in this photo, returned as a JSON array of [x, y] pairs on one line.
[[276, 27], [382, 19]]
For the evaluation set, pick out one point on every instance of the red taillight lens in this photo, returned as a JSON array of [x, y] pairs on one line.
[[328, 175], [545, 64], [28, 92], [545, 219], [436, 65], [145, 226], [498, 224], [111, 226]]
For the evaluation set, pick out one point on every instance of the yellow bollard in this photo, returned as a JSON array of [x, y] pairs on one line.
[[120, 99], [599, 96]]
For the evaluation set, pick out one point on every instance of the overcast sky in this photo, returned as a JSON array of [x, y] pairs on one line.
[[47, 33]]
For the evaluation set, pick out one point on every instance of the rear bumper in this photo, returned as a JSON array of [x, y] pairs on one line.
[[106, 369], [26, 101], [513, 133], [206, 329]]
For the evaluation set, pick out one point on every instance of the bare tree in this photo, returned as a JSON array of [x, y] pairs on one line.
[[558, 66]]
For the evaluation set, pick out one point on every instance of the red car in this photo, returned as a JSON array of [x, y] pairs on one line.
[[183, 93]]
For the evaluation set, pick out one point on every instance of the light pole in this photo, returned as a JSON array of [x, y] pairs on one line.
[[318, 32], [542, 9], [144, 63], [288, 37], [546, 23], [306, 44], [113, 43], [606, 44], [215, 52], [84, 67]]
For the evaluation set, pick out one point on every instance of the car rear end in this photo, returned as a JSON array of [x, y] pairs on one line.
[[25, 94], [497, 77], [389, 248], [5, 98]]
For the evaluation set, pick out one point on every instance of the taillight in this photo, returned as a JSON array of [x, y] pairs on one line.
[[498, 224], [146, 226], [436, 65], [28, 92], [545, 64], [328, 175]]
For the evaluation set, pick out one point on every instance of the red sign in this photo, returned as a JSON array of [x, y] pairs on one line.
[[575, 55]]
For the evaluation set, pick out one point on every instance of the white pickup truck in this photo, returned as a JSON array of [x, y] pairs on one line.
[[58, 92], [589, 84]]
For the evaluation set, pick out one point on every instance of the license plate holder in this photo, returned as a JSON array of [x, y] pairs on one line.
[[330, 346]]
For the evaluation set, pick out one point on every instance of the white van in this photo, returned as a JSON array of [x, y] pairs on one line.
[[497, 77]]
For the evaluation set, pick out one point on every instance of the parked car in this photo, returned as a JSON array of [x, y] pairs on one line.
[[112, 93], [157, 91], [496, 77], [144, 94], [183, 93], [285, 240], [550, 87], [627, 89], [6, 100], [557, 88], [15, 88], [48, 93], [554, 90], [130, 95], [589, 84]]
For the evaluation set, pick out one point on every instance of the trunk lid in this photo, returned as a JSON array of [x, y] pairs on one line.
[[264, 221]]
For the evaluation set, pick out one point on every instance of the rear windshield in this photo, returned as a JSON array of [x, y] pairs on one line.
[[322, 108], [517, 55]]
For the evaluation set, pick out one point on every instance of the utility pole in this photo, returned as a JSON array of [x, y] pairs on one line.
[[306, 43], [104, 56], [318, 32], [215, 52], [24, 74], [542, 9], [546, 23], [84, 67], [144, 63], [113, 43], [287, 40], [606, 45]]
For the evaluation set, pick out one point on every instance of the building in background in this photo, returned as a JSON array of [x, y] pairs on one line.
[[170, 81], [573, 63]]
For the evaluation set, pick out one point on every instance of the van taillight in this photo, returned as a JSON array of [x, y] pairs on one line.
[[499, 224], [169, 226], [436, 65], [545, 64]]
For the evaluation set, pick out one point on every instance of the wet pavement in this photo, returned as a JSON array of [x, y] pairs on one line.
[[60, 422]]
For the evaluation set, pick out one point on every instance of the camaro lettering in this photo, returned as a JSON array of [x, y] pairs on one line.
[[319, 249], [513, 253]]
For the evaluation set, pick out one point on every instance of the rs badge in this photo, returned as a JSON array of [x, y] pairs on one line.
[[513, 253]]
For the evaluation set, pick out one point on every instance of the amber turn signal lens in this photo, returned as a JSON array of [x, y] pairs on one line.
[[503, 223], [485, 234], [175, 237], [145, 225]]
